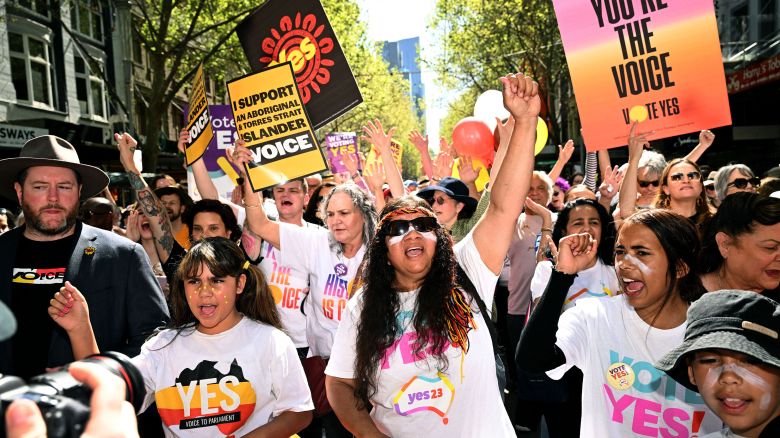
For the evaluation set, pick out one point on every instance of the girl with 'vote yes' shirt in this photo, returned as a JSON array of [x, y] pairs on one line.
[[615, 340]]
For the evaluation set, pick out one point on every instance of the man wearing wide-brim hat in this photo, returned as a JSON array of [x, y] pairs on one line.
[[112, 273]]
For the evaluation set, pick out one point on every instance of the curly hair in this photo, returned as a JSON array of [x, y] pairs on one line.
[[438, 300], [680, 241], [606, 249], [663, 200], [224, 259], [362, 202]]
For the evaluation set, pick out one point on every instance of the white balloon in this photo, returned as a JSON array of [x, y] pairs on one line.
[[490, 105]]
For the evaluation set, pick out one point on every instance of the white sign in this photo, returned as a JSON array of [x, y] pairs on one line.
[[16, 136]]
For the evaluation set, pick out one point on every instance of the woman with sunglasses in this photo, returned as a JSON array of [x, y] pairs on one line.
[[735, 178], [413, 342], [682, 191], [741, 246]]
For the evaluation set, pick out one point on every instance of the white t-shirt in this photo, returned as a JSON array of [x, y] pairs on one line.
[[599, 280], [623, 394], [330, 276], [225, 384], [289, 287], [413, 398]]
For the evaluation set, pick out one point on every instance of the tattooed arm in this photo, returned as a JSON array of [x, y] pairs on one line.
[[148, 203]]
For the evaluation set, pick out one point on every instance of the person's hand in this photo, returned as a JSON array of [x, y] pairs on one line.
[[467, 172], [637, 142], [706, 138], [375, 134], [69, 309], [574, 253], [445, 147], [505, 130], [375, 176], [533, 208], [237, 195], [184, 140], [349, 161], [127, 146], [133, 230], [420, 142], [521, 96], [239, 155], [442, 167], [111, 415], [565, 152], [611, 184]]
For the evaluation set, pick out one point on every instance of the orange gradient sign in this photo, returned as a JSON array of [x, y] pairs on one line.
[[657, 62]]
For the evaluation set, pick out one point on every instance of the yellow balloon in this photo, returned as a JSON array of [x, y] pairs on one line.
[[541, 135], [482, 179]]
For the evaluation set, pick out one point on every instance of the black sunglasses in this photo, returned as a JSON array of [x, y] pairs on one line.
[[693, 176], [401, 226], [434, 200], [741, 183], [646, 184]]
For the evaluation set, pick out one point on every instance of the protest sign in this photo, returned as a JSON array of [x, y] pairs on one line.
[[199, 120], [220, 171], [270, 118], [298, 31], [395, 148], [653, 61], [340, 144]]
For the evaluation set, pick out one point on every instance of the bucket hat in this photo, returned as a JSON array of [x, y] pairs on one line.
[[454, 188], [50, 150], [741, 321]]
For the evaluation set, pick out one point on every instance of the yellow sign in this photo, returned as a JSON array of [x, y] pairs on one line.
[[271, 119], [395, 148], [199, 120]]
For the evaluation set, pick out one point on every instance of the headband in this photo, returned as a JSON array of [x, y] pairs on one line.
[[402, 211]]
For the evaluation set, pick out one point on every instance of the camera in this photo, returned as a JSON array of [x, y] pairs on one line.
[[63, 400]]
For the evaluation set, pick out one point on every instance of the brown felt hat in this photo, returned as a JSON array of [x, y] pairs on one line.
[[50, 150]]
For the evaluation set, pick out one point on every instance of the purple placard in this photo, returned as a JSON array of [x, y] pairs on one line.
[[340, 144], [224, 136]]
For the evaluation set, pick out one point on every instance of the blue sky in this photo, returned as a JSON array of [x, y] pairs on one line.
[[399, 19]]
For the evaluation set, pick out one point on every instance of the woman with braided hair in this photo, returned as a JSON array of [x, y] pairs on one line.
[[414, 341]]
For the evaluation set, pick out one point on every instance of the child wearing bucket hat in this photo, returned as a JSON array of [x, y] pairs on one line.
[[731, 356]]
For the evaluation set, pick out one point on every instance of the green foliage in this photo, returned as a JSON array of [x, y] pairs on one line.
[[484, 40], [385, 93]]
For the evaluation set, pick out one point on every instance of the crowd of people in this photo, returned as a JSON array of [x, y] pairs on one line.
[[633, 300]]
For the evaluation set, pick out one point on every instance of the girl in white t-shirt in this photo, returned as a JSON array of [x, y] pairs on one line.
[[615, 340], [224, 367]]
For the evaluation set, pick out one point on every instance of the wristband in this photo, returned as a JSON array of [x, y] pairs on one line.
[[356, 175], [549, 230]]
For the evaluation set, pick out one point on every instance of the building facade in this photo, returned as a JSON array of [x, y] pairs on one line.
[[403, 56]]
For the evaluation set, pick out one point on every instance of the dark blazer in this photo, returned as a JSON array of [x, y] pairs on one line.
[[125, 301]]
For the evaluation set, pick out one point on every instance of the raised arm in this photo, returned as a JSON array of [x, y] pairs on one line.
[[375, 135], [564, 155], [421, 143], [69, 310], [628, 190], [148, 203], [203, 182], [706, 138], [469, 175], [493, 233], [256, 219]]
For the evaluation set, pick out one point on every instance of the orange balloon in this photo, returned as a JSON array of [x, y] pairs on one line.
[[472, 137]]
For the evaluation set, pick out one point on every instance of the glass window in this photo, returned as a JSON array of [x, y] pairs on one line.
[[38, 6], [86, 18], [19, 78], [31, 69], [89, 87]]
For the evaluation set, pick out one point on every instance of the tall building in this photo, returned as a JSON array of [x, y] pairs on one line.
[[72, 68], [403, 56]]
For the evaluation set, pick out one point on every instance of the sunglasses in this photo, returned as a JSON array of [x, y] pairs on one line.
[[401, 227], [741, 183], [692, 176], [440, 200], [646, 184]]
